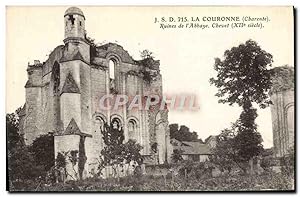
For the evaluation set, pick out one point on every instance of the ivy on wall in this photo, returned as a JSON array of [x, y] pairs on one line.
[[149, 69], [282, 79]]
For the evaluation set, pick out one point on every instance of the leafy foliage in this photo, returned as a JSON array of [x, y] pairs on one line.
[[112, 136], [116, 153], [60, 160], [42, 149], [145, 54], [183, 133], [268, 162], [248, 140], [243, 75], [150, 67], [177, 155], [12, 130], [239, 144], [22, 165], [21, 161], [190, 169], [288, 163], [225, 155], [132, 152]]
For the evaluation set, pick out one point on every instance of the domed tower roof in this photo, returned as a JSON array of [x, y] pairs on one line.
[[73, 10]]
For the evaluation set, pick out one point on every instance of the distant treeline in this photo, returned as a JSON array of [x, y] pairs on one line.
[[183, 133]]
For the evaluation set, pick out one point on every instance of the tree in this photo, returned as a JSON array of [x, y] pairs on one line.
[[14, 138], [174, 131], [42, 149], [116, 153], [243, 75], [248, 140], [183, 133], [21, 162], [224, 153], [132, 152], [177, 155], [22, 166], [243, 78]]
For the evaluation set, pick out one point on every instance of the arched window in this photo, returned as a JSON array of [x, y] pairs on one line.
[[289, 115], [116, 123], [132, 129], [56, 78], [117, 129], [97, 135], [160, 138], [111, 64], [100, 123], [112, 81]]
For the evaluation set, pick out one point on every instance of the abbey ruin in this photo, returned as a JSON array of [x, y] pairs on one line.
[[62, 96]]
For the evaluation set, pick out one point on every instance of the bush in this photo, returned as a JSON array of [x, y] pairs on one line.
[[42, 149], [185, 168], [23, 167], [267, 163], [287, 165], [31, 164], [202, 170], [176, 156], [196, 170]]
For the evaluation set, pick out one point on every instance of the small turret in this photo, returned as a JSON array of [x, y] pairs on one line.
[[74, 23]]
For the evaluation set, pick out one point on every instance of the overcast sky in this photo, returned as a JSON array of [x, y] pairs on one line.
[[186, 55]]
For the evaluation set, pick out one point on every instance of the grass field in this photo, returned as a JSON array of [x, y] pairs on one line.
[[264, 182]]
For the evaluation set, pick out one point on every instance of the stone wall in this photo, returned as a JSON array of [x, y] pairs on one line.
[[70, 67], [65, 144], [49, 111], [85, 92], [33, 114], [70, 108], [49, 108], [282, 112], [54, 56]]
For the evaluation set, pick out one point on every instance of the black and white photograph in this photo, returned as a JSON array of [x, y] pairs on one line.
[[150, 98]]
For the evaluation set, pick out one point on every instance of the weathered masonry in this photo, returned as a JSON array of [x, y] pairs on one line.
[[62, 96], [283, 118]]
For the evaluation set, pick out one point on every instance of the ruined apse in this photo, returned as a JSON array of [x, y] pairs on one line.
[[282, 109], [62, 96]]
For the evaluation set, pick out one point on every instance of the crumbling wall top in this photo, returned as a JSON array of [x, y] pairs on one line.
[[282, 79]]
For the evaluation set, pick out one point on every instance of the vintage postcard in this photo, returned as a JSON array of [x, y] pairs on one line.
[[141, 98]]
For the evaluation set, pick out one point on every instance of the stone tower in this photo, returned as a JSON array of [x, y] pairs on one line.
[[282, 109], [63, 94], [74, 23]]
